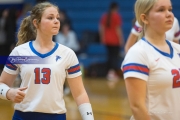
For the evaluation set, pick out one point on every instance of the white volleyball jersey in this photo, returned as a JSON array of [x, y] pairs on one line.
[[161, 71], [172, 34], [44, 81]]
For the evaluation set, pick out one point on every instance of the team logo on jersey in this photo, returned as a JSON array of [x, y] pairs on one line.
[[157, 59], [57, 58]]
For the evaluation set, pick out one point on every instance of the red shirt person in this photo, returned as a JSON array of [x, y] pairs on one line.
[[111, 36]]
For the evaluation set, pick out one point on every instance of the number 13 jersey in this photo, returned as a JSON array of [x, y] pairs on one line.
[[44, 81]]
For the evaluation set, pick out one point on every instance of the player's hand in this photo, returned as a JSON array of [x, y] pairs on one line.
[[16, 95]]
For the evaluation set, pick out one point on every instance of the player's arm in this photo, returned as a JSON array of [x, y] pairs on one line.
[[8, 93], [177, 31], [7, 78], [132, 38], [101, 33], [136, 90], [120, 36], [176, 41], [80, 96]]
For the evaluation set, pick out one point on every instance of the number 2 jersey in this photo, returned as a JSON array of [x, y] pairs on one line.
[[44, 81], [161, 71]]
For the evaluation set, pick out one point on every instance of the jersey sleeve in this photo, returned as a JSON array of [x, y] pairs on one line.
[[73, 67], [137, 29], [135, 64], [10, 67], [177, 30]]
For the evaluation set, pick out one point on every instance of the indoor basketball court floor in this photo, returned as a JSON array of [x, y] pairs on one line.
[[108, 98]]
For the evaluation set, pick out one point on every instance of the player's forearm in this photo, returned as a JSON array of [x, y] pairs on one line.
[[120, 36], [101, 33], [84, 107], [140, 113], [82, 98], [7, 78], [130, 41]]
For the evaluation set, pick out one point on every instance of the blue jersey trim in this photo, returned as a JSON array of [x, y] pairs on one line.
[[74, 66], [136, 71], [74, 72], [161, 52], [135, 64], [43, 55], [74, 69], [12, 67]]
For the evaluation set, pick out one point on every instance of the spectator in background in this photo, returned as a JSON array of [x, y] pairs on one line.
[[7, 30], [10, 28], [3, 46], [64, 19], [68, 38], [111, 36], [173, 34], [25, 12], [3, 18]]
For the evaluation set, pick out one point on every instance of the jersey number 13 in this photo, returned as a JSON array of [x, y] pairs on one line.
[[46, 75]]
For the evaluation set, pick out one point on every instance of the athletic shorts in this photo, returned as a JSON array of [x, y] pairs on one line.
[[18, 115]]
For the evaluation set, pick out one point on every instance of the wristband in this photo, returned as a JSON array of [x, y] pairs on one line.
[[86, 111], [3, 91]]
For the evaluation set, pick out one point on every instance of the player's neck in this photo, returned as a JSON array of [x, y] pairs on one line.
[[155, 38], [158, 41], [44, 41], [43, 44]]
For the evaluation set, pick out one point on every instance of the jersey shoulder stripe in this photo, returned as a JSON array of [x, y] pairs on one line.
[[74, 69], [135, 67], [11, 66], [137, 29]]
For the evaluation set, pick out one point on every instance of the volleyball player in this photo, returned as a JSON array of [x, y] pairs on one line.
[[40, 96]]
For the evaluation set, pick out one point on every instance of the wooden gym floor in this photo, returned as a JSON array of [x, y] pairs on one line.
[[109, 101]]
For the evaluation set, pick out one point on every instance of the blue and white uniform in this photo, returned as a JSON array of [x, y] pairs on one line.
[[161, 71], [44, 81]]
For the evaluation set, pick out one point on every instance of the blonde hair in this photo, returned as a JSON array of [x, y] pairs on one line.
[[142, 7], [27, 30]]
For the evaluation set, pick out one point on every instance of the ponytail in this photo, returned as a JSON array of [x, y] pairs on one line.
[[26, 31], [142, 33], [112, 6], [108, 19]]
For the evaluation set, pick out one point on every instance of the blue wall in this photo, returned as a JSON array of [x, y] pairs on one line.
[[85, 14]]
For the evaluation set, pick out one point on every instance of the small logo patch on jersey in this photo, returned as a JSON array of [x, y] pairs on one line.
[[157, 59], [57, 58]]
